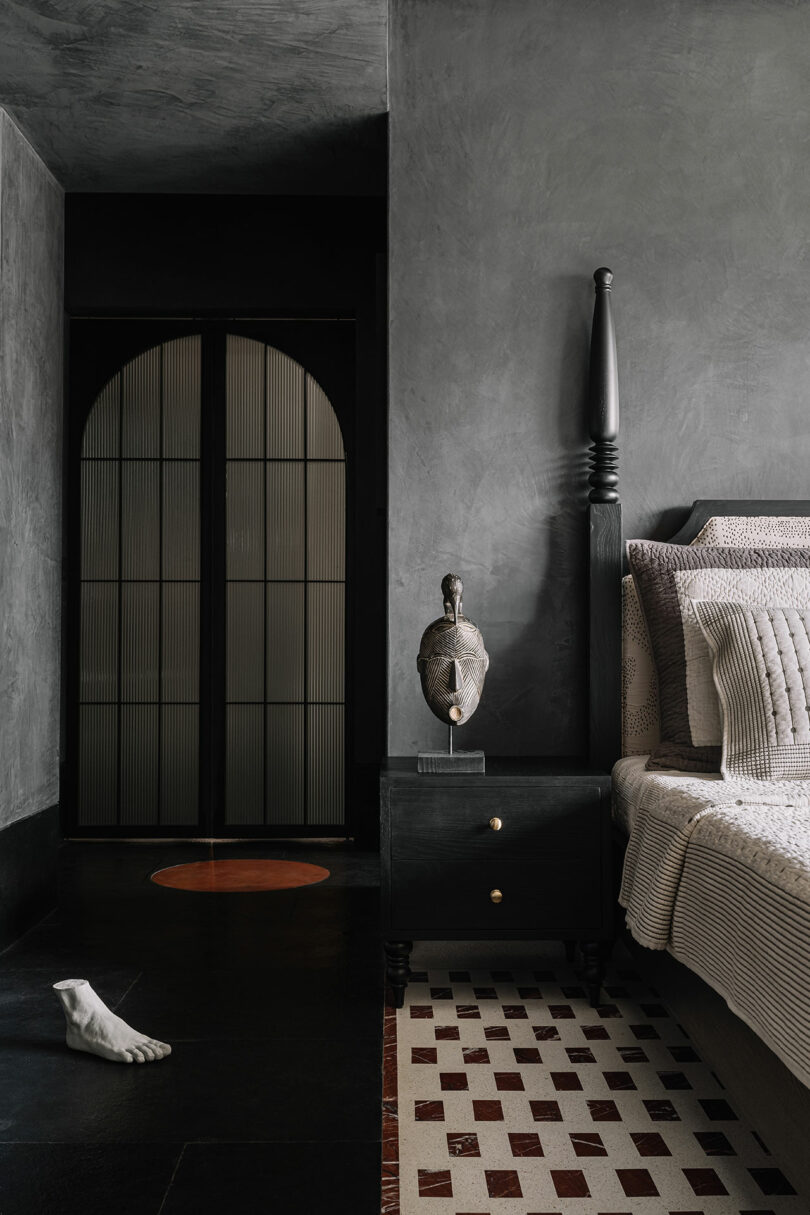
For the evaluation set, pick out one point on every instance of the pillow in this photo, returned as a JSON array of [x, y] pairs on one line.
[[762, 674], [640, 714], [667, 577], [756, 531], [640, 729]]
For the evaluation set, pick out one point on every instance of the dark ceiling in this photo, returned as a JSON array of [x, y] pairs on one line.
[[209, 96]]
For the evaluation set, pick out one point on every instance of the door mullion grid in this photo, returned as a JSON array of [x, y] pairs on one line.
[[265, 469], [119, 688], [305, 697], [160, 598], [219, 583]]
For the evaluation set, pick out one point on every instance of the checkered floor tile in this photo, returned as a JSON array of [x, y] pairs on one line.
[[507, 1094]]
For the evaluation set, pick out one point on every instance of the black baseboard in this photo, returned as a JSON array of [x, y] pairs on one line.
[[28, 852]]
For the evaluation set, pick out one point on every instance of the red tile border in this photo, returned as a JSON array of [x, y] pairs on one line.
[[389, 1204]]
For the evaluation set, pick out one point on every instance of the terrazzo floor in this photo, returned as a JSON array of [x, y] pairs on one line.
[[507, 1094]]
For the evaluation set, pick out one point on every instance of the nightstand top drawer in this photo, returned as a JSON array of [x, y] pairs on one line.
[[491, 822]]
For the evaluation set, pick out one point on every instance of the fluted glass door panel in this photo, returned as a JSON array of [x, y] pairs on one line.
[[138, 751], [285, 570]]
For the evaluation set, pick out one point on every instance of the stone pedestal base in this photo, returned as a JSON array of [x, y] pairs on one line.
[[445, 761]]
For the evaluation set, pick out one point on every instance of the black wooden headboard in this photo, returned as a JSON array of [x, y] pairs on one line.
[[606, 547], [707, 508]]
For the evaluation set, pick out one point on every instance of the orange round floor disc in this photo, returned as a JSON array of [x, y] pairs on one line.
[[239, 876]]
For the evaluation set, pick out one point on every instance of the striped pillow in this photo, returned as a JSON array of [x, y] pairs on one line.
[[761, 668]]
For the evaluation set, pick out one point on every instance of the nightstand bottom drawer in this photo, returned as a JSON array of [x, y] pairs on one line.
[[464, 897]]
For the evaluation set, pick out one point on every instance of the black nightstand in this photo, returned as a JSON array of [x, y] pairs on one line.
[[522, 851]]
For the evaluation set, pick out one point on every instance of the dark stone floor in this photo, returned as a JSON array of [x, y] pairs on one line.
[[272, 1002]]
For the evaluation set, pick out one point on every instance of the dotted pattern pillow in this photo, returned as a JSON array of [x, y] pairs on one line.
[[756, 531], [761, 666], [668, 577]]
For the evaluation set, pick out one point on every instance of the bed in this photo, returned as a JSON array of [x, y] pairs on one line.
[[716, 870]]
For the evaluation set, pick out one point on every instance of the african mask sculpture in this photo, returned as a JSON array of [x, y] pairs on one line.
[[452, 661]]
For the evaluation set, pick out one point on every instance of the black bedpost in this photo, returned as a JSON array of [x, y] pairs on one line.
[[605, 537]]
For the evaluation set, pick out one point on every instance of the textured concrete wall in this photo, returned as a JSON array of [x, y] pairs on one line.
[[532, 141], [201, 96], [31, 227]]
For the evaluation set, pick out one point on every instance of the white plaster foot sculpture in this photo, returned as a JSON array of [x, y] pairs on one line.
[[92, 1027]]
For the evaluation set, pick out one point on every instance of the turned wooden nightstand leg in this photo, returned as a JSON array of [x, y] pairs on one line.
[[397, 968], [594, 970]]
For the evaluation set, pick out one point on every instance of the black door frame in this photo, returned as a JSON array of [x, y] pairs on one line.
[[98, 349]]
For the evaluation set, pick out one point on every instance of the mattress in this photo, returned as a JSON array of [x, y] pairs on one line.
[[718, 873]]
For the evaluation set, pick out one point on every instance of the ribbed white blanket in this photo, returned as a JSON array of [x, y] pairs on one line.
[[718, 872]]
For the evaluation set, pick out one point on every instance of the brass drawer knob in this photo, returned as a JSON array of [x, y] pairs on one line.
[[496, 896], [495, 824]]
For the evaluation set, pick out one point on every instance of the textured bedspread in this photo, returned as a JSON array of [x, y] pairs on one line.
[[718, 873]]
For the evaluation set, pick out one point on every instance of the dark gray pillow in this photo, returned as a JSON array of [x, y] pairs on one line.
[[668, 577]]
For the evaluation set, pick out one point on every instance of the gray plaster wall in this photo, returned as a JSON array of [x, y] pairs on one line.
[[31, 310], [201, 96], [532, 141]]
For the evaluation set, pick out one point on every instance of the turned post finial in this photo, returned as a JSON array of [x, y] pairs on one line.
[[603, 395]]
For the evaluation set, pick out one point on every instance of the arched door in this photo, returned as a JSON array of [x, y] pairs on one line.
[[212, 632]]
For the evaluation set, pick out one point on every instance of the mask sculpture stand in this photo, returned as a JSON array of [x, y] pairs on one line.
[[452, 664]]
